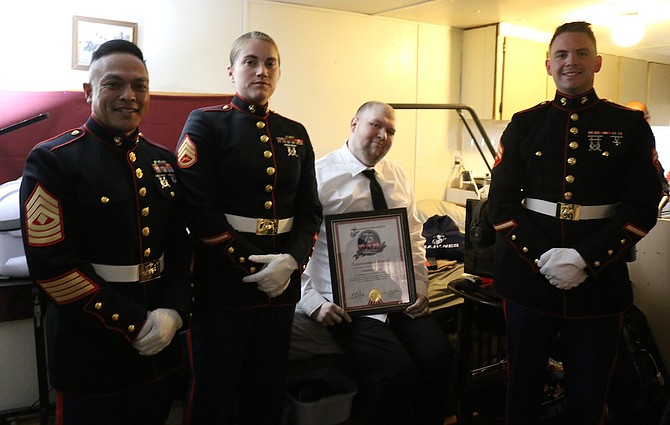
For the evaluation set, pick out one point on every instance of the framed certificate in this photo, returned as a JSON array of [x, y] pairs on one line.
[[371, 261]]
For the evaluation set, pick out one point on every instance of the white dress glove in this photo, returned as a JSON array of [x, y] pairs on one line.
[[274, 277], [563, 267], [157, 332]]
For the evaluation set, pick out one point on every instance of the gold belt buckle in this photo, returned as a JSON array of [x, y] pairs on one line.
[[267, 226], [568, 211], [150, 270]]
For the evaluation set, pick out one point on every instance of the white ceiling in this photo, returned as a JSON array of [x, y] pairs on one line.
[[540, 15]]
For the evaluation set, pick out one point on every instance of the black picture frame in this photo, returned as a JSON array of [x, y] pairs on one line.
[[371, 265]]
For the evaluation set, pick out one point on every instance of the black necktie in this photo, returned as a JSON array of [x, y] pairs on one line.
[[378, 201]]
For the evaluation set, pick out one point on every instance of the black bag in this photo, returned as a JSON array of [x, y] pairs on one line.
[[443, 239], [479, 239], [637, 394]]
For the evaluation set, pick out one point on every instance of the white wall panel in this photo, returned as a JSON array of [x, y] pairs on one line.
[[632, 80], [332, 62]]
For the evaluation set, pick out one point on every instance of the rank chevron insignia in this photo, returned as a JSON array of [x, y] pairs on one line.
[[187, 154], [43, 218]]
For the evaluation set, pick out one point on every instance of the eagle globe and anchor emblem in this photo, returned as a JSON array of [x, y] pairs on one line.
[[368, 243]]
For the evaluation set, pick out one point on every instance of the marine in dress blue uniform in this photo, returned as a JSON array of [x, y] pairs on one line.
[[250, 181], [240, 161], [577, 172], [106, 244]]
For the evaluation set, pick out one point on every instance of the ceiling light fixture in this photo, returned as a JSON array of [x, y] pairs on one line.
[[627, 29]]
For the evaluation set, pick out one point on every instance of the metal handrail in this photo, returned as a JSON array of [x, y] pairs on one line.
[[459, 108], [24, 123]]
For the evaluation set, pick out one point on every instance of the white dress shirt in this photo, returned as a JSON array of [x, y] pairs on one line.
[[343, 188]]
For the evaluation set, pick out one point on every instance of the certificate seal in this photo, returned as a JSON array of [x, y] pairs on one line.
[[375, 296]]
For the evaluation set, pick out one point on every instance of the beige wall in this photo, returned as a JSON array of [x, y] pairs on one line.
[[331, 63]]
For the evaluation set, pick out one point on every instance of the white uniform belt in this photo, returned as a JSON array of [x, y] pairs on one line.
[[133, 273], [260, 226], [573, 212]]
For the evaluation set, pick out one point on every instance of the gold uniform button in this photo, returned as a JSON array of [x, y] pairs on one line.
[[241, 260], [252, 269], [267, 154], [570, 179], [513, 237], [132, 157], [622, 241], [118, 141], [572, 161], [564, 101], [268, 188], [231, 250], [264, 138], [115, 317], [131, 328], [252, 108], [536, 261], [260, 125], [75, 132], [147, 252], [596, 263], [171, 194], [606, 154], [139, 173], [268, 205], [104, 199], [610, 252], [567, 196], [574, 117], [574, 130], [145, 212], [524, 249], [146, 231], [270, 171], [143, 192], [98, 306], [538, 153], [574, 145]]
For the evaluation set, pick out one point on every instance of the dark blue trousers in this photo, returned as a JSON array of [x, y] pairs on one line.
[[147, 405], [587, 348], [239, 365]]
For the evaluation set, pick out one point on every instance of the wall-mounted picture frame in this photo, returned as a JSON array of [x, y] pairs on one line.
[[89, 33], [371, 264]]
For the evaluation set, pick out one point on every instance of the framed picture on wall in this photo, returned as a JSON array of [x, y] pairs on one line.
[[89, 33]]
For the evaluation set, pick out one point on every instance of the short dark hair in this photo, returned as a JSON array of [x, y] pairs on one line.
[[117, 46], [577, 26]]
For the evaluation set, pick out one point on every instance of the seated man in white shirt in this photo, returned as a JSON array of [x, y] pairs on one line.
[[401, 360]]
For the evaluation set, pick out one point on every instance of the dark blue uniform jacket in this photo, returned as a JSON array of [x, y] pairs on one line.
[[246, 160], [581, 150], [89, 197]]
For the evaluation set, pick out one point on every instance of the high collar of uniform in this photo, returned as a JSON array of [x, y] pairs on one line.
[[109, 136], [250, 107], [575, 102]]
